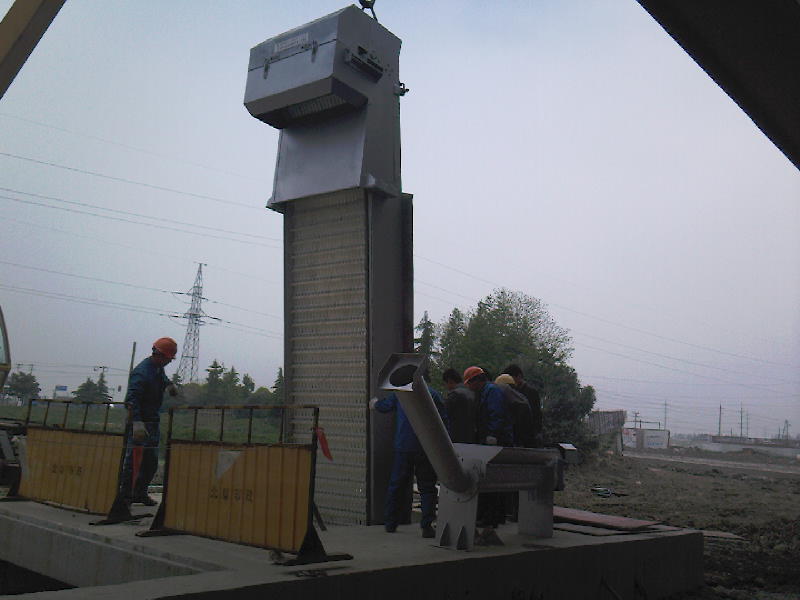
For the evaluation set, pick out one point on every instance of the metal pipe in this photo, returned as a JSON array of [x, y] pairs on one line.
[[427, 423]]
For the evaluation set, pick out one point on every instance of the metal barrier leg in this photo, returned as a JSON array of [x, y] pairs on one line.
[[14, 473], [312, 551], [157, 528], [318, 517], [120, 509]]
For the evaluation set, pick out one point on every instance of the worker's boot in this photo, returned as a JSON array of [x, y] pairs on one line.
[[144, 499]]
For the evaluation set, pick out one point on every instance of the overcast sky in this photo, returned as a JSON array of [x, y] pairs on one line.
[[569, 150]]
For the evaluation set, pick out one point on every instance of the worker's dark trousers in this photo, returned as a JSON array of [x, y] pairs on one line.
[[406, 465], [148, 467], [491, 509]]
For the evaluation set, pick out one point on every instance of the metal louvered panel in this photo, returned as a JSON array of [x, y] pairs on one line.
[[327, 341]]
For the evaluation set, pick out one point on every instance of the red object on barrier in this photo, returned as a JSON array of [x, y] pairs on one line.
[[137, 464], [323, 443]]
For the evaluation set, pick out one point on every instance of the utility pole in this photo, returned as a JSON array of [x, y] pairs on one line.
[[103, 369], [741, 420], [133, 357], [635, 419], [187, 368], [719, 427], [665, 414]]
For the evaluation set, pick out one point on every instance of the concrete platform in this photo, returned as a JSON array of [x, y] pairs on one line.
[[110, 562]]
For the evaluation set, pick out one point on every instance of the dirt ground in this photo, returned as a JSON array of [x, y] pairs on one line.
[[734, 495]]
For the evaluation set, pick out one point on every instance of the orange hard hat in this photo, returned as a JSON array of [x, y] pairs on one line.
[[166, 346], [472, 372]]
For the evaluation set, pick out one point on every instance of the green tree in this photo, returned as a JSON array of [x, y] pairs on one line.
[[452, 340], [189, 394], [278, 392], [426, 342], [23, 386], [213, 386], [566, 402], [505, 327], [262, 396], [230, 386], [246, 389], [88, 391], [102, 387], [511, 327]]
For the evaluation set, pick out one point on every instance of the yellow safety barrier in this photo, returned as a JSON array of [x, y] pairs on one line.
[[258, 495], [70, 468]]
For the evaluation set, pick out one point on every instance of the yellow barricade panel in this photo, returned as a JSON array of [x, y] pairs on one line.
[[258, 495], [75, 469]]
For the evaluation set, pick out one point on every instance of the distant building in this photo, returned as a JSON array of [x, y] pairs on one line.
[[652, 439], [601, 422]]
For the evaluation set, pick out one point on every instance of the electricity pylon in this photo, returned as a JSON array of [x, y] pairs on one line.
[[187, 368]]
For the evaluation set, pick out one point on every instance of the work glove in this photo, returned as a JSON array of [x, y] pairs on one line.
[[139, 431], [372, 403], [491, 440]]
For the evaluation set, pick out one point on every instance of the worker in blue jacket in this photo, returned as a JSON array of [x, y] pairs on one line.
[[495, 428], [493, 423], [409, 460], [146, 386]]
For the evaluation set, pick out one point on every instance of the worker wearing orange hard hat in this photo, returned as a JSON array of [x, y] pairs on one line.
[[494, 428], [493, 423], [146, 386]]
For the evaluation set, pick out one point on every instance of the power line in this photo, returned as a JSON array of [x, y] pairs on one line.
[[255, 312], [139, 215], [633, 347], [133, 308], [71, 366], [128, 147], [82, 300], [156, 225], [85, 277], [647, 362], [667, 356], [129, 181], [138, 249], [131, 285], [649, 381], [603, 320]]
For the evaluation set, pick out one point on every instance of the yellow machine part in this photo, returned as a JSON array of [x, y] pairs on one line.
[[257, 495], [75, 469]]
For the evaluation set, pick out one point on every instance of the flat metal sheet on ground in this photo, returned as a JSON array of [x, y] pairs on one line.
[[585, 517], [587, 529]]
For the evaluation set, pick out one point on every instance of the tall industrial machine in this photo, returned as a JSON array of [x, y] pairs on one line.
[[332, 88]]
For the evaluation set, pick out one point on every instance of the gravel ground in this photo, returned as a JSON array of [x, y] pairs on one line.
[[761, 507]]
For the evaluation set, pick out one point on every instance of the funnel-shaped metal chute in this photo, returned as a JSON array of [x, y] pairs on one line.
[[403, 374]]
